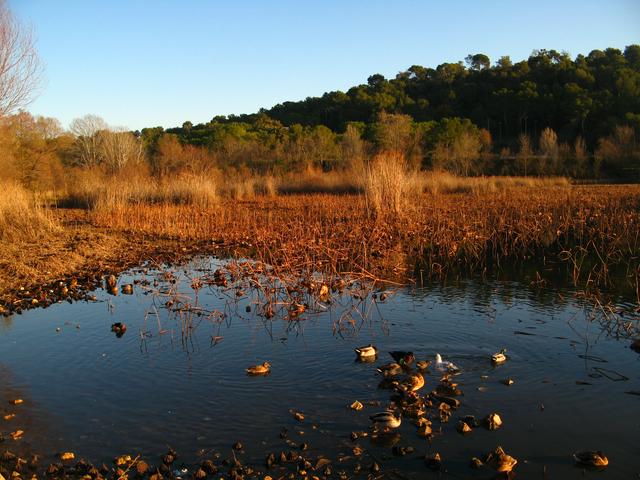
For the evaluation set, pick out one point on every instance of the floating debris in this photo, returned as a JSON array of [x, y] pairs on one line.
[[119, 329], [66, 456], [493, 421], [9, 416], [262, 369], [475, 463], [356, 405], [299, 416], [122, 460], [425, 430], [507, 381], [16, 435], [500, 461], [463, 427], [401, 451], [127, 289], [17, 401], [433, 461]]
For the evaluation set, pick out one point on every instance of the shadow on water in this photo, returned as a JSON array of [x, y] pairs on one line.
[[176, 376]]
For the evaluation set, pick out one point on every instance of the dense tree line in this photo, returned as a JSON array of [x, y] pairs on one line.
[[548, 115]]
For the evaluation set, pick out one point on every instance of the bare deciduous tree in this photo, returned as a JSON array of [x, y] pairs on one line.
[[525, 153], [20, 67], [120, 148], [88, 146]]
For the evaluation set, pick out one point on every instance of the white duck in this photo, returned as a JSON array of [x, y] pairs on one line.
[[444, 365]]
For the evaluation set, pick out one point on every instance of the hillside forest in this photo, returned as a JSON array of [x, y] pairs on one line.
[[548, 115]]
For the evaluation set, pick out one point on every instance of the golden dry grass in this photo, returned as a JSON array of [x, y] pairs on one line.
[[438, 232], [495, 222], [23, 215]]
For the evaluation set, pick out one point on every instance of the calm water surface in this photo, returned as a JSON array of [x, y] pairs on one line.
[[100, 396]]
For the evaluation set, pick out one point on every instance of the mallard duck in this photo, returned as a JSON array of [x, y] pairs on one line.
[[412, 383], [111, 281], [390, 369], [444, 365], [385, 420], [591, 458], [405, 359], [423, 364], [500, 461], [499, 357], [259, 369], [366, 351], [119, 329]]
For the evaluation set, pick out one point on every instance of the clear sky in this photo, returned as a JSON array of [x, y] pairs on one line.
[[141, 63]]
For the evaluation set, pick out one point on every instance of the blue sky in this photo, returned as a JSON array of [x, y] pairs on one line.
[[145, 63]]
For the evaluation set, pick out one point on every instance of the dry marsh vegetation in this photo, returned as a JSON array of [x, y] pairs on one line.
[[23, 215], [403, 224], [592, 229]]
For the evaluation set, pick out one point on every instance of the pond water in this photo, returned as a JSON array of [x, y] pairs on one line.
[[177, 376]]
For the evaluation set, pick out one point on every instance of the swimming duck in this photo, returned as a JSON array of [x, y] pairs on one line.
[[366, 351], [499, 357], [119, 329], [405, 359], [500, 461], [385, 420], [259, 369], [591, 458], [390, 369], [423, 364], [444, 365], [412, 383]]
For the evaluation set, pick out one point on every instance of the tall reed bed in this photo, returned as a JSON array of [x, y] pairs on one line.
[[438, 232], [96, 192], [23, 214]]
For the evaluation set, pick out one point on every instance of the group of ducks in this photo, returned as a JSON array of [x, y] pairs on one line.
[[387, 420]]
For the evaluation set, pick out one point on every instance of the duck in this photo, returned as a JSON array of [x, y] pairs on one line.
[[405, 359], [500, 461], [262, 369], [385, 420], [412, 383], [423, 364], [444, 365], [591, 458], [366, 351], [119, 329], [499, 357], [390, 369]]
